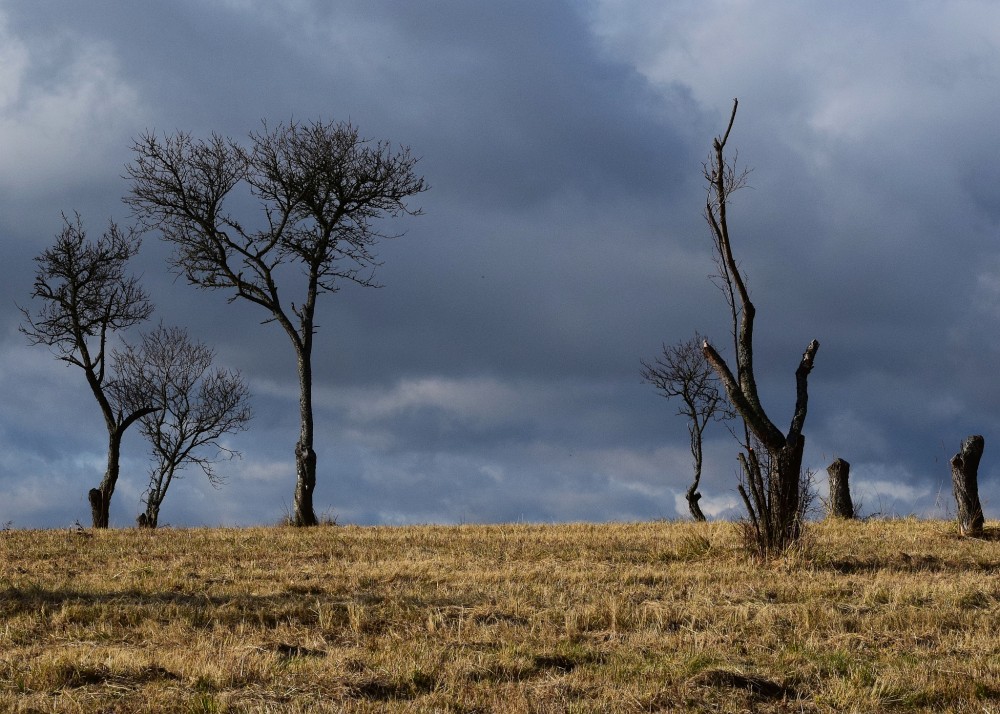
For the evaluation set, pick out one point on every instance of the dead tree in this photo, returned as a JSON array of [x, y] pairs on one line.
[[321, 187], [772, 488], [840, 504], [965, 483], [681, 371], [196, 406], [86, 297]]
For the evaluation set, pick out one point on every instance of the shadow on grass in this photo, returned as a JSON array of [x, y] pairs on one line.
[[902, 562], [757, 687], [380, 689], [198, 609]]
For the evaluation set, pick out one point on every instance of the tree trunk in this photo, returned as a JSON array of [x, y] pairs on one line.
[[965, 482], [692, 498], [773, 499], [786, 502], [841, 505], [305, 456], [695, 429], [98, 508], [151, 517], [158, 486], [305, 482], [100, 497]]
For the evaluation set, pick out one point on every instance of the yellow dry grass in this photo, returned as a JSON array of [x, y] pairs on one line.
[[875, 616]]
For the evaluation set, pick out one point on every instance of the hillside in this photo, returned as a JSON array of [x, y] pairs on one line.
[[876, 616]]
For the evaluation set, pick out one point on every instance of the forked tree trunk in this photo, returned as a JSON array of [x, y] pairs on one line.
[[965, 483], [841, 505]]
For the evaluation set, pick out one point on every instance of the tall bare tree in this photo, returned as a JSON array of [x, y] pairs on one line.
[[775, 481], [321, 187], [86, 296], [196, 406], [681, 371]]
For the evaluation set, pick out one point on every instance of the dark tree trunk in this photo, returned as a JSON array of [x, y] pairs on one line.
[[692, 498], [151, 517], [774, 501], [305, 456], [157, 492], [965, 482], [786, 497], [305, 483], [98, 508], [100, 497], [695, 430], [841, 505]]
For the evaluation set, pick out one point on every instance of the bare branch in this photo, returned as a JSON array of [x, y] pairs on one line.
[[802, 390]]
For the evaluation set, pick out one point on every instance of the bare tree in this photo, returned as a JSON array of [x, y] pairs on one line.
[[774, 501], [86, 297], [321, 187], [682, 371], [197, 406]]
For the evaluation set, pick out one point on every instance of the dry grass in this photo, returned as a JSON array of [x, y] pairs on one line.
[[875, 616]]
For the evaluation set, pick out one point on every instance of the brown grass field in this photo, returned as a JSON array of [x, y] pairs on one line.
[[883, 615]]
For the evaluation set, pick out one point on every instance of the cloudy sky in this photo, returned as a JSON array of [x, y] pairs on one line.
[[495, 377]]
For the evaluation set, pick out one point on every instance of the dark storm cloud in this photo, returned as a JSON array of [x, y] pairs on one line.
[[495, 377]]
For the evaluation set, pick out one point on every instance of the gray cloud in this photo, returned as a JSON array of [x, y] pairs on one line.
[[495, 377]]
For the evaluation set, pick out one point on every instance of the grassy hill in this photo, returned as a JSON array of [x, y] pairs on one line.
[[877, 616]]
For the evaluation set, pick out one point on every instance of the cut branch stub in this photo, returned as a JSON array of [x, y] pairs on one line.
[[965, 482], [841, 505]]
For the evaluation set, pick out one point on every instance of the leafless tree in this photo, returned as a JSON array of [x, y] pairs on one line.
[[196, 406], [86, 296], [321, 187], [682, 371], [774, 501]]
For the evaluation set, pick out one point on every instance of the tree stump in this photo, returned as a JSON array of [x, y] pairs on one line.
[[841, 505], [965, 482]]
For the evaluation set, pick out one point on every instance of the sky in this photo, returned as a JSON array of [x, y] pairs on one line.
[[495, 377]]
